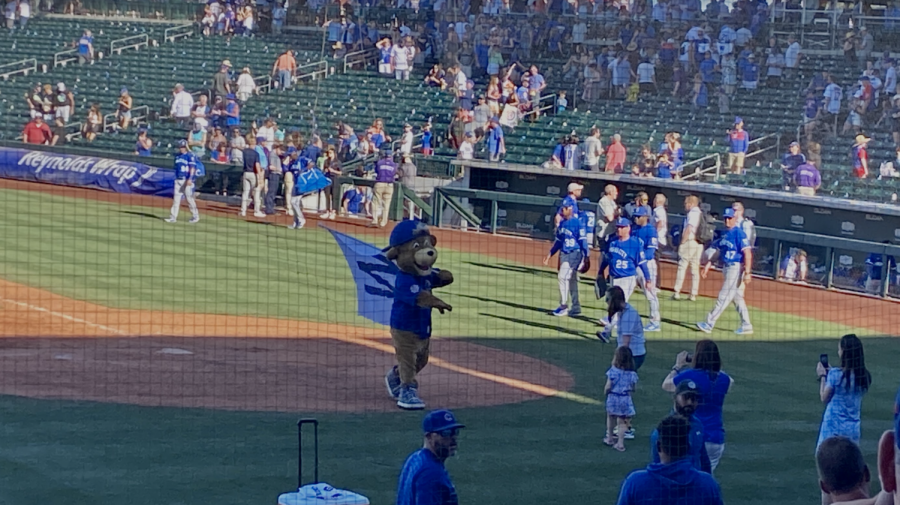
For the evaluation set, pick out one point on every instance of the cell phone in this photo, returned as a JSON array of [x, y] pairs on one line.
[[689, 358], [823, 358]]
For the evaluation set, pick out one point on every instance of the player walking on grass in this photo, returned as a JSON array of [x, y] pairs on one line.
[[186, 169], [624, 256], [620, 381], [737, 258], [571, 243], [647, 234]]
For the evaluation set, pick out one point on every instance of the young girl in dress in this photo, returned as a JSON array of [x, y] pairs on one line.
[[620, 381]]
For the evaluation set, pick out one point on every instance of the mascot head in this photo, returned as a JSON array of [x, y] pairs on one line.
[[412, 247]]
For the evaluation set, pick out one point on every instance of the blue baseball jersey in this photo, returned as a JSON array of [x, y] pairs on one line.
[[406, 315], [424, 481], [731, 246], [570, 201], [649, 238], [624, 257], [570, 237], [184, 163]]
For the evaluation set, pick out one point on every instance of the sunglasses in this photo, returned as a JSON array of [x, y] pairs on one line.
[[452, 432]]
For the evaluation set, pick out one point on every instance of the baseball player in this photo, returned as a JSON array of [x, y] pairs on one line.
[[646, 233], [571, 243], [185, 172], [624, 256], [737, 257], [299, 164]]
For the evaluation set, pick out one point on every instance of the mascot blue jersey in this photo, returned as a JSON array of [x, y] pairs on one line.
[[406, 315]]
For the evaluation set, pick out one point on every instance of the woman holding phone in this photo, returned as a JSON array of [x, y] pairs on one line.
[[713, 385]]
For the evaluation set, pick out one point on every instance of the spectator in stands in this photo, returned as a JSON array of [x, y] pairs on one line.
[[221, 80], [674, 476], [864, 45], [593, 149], [792, 56], [793, 267], [273, 178], [86, 48], [356, 202], [671, 147], [215, 139], [807, 179], [686, 401], [646, 74], [64, 102], [435, 77], [123, 108], [232, 112], [279, 13], [246, 86], [33, 100], [738, 146], [48, 103], [201, 113], [690, 249], [94, 123], [252, 178], [143, 146], [750, 73], [495, 142], [861, 156], [401, 60], [713, 384], [843, 474], [208, 22], [59, 133], [182, 104], [406, 139], [196, 140], [10, 13], [267, 133], [774, 67], [284, 68], [615, 155], [376, 133], [699, 93], [466, 149], [37, 132], [833, 95], [789, 163], [842, 389]]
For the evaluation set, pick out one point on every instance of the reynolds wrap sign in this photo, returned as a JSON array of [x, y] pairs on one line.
[[85, 171]]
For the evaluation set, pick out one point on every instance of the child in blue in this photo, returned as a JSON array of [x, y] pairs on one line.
[[663, 166], [412, 249], [427, 139], [571, 243], [561, 102], [620, 381]]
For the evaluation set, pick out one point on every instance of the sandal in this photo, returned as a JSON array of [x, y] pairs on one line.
[[620, 448], [609, 442]]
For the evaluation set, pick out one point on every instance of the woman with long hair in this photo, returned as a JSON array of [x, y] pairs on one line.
[[627, 321], [713, 384]]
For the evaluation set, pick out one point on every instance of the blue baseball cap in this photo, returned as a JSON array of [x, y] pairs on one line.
[[729, 212], [440, 420], [641, 212], [182, 143], [623, 223], [405, 231], [738, 120]]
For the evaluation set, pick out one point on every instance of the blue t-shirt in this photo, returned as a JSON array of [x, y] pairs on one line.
[[425, 481], [263, 154], [677, 483], [842, 414], [630, 324], [311, 152], [699, 456], [183, 165], [426, 140], [731, 246], [406, 315], [650, 238], [713, 389], [232, 108], [493, 139], [664, 170], [355, 201], [570, 237], [624, 257], [84, 45]]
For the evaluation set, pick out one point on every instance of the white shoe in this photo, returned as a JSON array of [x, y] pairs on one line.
[[194, 220], [258, 214], [243, 213], [171, 220], [324, 215]]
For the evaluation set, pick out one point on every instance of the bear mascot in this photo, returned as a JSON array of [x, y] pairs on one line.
[[412, 248]]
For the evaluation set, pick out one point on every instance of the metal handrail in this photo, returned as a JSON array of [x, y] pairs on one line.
[[263, 83], [300, 73], [60, 59], [776, 145], [362, 56], [25, 66], [717, 167], [135, 117], [133, 42], [174, 33], [539, 109]]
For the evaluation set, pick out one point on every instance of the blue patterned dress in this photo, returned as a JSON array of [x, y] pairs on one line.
[[618, 401], [842, 413]]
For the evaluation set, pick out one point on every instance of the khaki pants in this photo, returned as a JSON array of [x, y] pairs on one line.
[[288, 192], [689, 254], [736, 162], [384, 193], [806, 191], [412, 354], [250, 184]]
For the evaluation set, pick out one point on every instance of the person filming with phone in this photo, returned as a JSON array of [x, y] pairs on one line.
[[704, 368], [841, 390]]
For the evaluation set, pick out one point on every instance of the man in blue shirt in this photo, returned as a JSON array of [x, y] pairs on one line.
[[424, 479], [646, 233], [385, 175], [687, 398], [186, 166], [86, 48], [571, 243], [624, 255], [673, 481], [736, 255], [738, 145], [789, 163], [496, 144]]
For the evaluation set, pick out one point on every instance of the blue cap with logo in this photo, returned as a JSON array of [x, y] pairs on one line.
[[406, 231], [641, 212], [182, 143], [440, 420], [729, 212], [687, 386], [623, 223]]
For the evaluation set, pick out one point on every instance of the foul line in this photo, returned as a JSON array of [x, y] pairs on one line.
[[63, 316], [499, 379]]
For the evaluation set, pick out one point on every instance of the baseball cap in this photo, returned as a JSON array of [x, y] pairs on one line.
[[729, 212], [687, 386], [182, 143], [405, 231], [641, 212], [738, 119], [623, 223], [440, 420], [795, 144], [574, 186]]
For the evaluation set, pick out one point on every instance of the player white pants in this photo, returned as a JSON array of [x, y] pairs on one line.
[[297, 207], [651, 294], [249, 183], [627, 284], [183, 190], [568, 279], [732, 291], [689, 256]]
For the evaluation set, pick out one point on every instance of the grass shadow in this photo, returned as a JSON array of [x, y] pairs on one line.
[[143, 214], [548, 327]]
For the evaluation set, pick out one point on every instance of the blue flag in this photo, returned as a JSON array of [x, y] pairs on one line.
[[373, 274], [310, 181]]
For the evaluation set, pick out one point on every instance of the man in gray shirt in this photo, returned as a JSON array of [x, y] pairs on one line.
[[607, 212], [593, 148], [482, 114]]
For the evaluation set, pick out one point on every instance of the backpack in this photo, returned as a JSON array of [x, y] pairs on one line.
[[706, 231]]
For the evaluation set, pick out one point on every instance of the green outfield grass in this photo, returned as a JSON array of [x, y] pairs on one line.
[[127, 257], [534, 453]]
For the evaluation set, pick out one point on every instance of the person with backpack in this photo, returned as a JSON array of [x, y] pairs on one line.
[[697, 230], [736, 254]]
